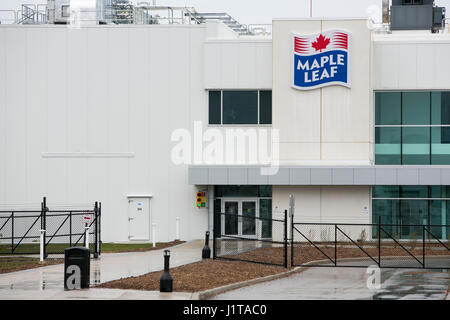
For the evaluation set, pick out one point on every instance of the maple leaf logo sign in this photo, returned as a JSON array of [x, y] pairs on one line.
[[321, 43]]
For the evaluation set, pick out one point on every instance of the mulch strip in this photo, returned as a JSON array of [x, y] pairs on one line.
[[198, 276]]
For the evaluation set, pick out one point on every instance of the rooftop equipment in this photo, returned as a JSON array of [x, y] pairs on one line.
[[416, 15]]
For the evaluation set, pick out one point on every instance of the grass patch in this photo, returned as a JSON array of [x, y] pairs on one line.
[[11, 264], [58, 248], [136, 247], [33, 248]]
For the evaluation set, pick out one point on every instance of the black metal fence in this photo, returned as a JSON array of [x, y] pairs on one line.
[[251, 239], [362, 245], [21, 229], [247, 238]]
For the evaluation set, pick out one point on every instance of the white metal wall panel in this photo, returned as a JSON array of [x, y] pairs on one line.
[[77, 133], [411, 62], [3, 119], [97, 91], [198, 111], [139, 81], [238, 64], [178, 112], [159, 117], [16, 115], [57, 112], [36, 113], [102, 89]]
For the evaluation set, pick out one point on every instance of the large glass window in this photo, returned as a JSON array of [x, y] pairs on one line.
[[215, 105], [388, 108], [415, 145], [407, 208], [416, 108], [265, 107], [388, 145], [412, 127], [240, 107]]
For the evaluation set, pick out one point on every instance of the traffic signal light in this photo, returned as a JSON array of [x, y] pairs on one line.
[[201, 199]]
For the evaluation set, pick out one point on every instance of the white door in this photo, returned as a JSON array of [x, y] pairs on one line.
[[138, 218]]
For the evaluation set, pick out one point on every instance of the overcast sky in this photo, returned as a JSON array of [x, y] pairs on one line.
[[262, 11]]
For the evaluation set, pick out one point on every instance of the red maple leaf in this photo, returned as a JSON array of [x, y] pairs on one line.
[[321, 43]]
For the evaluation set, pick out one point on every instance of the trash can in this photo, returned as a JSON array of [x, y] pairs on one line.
[[76, 268]]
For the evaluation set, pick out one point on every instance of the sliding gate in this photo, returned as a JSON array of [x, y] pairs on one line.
[[362, 245]]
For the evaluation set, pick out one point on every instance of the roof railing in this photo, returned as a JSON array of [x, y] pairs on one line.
[[118, 12]]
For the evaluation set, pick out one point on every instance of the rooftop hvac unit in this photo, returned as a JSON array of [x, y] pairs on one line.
[[416, 15]]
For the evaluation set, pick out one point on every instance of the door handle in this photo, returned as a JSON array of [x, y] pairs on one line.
[[129, 219]]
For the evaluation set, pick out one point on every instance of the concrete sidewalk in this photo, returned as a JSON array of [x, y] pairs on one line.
[[48, 282]]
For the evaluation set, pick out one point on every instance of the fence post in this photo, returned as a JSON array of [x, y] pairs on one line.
[[335, 245], [44, 227], [177, 228], [291, 214], [154, 234], [423, 246], [99, 228], [379, 241], [214, 235], [41, 245], [292, 241], [70, 228], [12, 232], [86, 235], [285, 238], [96, 230]]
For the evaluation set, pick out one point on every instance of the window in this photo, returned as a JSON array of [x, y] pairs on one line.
[[412, 128], [240, 107], [412, 2], [406, 206]]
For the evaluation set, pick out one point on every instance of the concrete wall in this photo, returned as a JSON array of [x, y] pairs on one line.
[[330, 124], [120, 90]]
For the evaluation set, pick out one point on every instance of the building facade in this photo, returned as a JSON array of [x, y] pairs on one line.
[[98, 112]]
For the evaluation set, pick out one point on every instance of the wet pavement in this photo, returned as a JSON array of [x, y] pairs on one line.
[[48, 282], [349, 284]]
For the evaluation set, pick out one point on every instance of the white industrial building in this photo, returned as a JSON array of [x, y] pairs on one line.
[[88, 112]]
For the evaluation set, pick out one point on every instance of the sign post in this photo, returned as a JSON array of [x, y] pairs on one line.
[[87, 218]]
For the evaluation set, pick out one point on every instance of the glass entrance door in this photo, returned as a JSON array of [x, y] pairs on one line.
[[249, 218], [240, 218], [231, 218]]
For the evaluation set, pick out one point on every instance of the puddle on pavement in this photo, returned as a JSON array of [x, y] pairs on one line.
[[49, 280], [414, 284]]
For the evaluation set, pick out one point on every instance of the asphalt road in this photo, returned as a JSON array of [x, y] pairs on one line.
[[349, 283]]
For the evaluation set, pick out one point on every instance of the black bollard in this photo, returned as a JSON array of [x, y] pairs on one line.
[[166, 280], [206, 252]]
